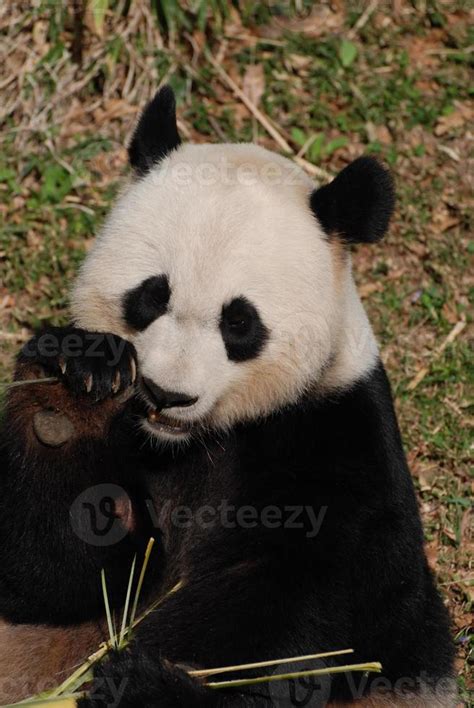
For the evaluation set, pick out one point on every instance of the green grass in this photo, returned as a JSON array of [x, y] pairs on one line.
[[392, 88]]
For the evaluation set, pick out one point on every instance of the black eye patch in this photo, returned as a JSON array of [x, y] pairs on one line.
[[145, 303], [243, 331]]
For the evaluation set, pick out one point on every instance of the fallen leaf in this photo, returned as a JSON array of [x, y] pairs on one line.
[[465, 528], [461, 115], [253, 84], [96, 11], [39, 35], [443, 219], [113, 108], [378, 133], [450, 313], [432, 550], [368, 288], [450, 534], [423, 50], [300, 61]]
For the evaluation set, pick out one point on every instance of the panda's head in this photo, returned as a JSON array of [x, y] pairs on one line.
[[231, 275]]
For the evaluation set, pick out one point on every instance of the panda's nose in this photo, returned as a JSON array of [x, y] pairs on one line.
[[167, 399]]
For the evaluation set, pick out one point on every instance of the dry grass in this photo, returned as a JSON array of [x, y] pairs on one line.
[[332, 82]]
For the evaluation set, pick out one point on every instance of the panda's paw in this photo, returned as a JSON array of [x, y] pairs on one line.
[[132, 678], [92, 364], [92, 378]]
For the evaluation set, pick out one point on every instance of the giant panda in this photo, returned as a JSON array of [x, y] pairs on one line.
[[219, 388]]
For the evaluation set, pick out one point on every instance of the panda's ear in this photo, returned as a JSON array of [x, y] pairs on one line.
[[156, 134], [357, 205]]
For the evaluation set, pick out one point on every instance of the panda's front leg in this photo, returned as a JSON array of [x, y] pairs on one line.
[[66, 500]]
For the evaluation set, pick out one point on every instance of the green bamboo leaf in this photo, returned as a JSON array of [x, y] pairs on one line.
[[141, 578], [98, 10], [61, 702], [202, 15], [347, 52], [335, 144], [298, 136], [108, 612], [316, 148], [123, 630]]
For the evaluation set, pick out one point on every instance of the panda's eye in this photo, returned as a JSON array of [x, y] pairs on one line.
[[238, 323], [145, 303], [243, 331]]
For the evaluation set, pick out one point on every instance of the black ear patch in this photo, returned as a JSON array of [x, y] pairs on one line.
[[156, 134], [358, 203]]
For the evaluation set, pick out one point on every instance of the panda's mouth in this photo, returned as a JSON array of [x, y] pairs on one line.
[[165, 424]]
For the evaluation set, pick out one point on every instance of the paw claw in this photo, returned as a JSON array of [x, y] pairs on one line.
[[62, 364], [89, 382], [116, 382], [133, 369]]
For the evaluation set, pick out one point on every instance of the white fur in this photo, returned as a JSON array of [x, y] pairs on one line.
[[224, 221]]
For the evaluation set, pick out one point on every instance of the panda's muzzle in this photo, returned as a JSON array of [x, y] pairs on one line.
[[161, 399]]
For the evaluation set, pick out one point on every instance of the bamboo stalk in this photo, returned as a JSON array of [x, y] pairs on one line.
[[146, 559], [110, 624], [237, 683], [123, 630], [202, 673], [60, 702], [26, 382]]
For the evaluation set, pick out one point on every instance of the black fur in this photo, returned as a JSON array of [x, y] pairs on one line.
[[242, 329], [252, 592], [145, 303], [358, 204], [39, 497], [156, 134]]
